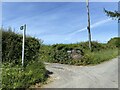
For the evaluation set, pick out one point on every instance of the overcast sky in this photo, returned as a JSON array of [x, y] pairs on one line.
[[61, 22]]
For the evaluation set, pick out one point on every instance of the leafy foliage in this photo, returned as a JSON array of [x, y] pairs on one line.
[[99, 56], [16, 77], [114, 42], [114, 14], [95, 46], [12, 47], [60, 56], [57, 53], [13, 75]]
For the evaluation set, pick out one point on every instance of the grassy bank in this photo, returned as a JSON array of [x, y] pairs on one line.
[[17, 77], [100, 56]]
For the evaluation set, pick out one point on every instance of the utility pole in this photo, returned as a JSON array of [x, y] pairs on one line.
[[23, 45], [88, 27]]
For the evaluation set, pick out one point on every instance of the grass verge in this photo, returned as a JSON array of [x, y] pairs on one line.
[[99, 56], [15, 77]]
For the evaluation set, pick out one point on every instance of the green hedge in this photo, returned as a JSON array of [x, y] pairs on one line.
[[57, 53], [13, 75], [60, 56], [12, 47], [82, 45]]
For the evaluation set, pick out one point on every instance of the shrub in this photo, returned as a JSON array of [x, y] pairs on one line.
[[114, 42], [46, 53], [12, 47], [60, 56], [95, 46], [13, 76], [100, 53], [16, 77]]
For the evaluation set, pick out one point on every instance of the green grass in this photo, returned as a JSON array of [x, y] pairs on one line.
[[15, 77], [100, 56]]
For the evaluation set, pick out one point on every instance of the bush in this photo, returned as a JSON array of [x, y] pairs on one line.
[[100, 53], [61, 56], [114, 42], [45, 52], [16, 77], [58, 54], [13, 75], [95, 46], [82, 45], [12, 47]]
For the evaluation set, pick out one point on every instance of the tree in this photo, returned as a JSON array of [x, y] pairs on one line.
[[113, 14]]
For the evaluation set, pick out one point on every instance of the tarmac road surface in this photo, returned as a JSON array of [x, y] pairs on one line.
[[104, 75]]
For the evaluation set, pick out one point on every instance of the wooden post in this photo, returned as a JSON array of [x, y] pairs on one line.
[[88, 27]]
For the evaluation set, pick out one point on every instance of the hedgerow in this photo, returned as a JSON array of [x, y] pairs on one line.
[[13, 74], [12, 47], [57, 53]]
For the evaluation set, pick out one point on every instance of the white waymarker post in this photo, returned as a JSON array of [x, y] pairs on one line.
[[23, 46]]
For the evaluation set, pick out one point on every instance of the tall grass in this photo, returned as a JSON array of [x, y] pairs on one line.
[[100, 56], [15, 77]]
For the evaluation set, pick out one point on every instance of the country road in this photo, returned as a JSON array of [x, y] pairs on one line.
[[104, 75]]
